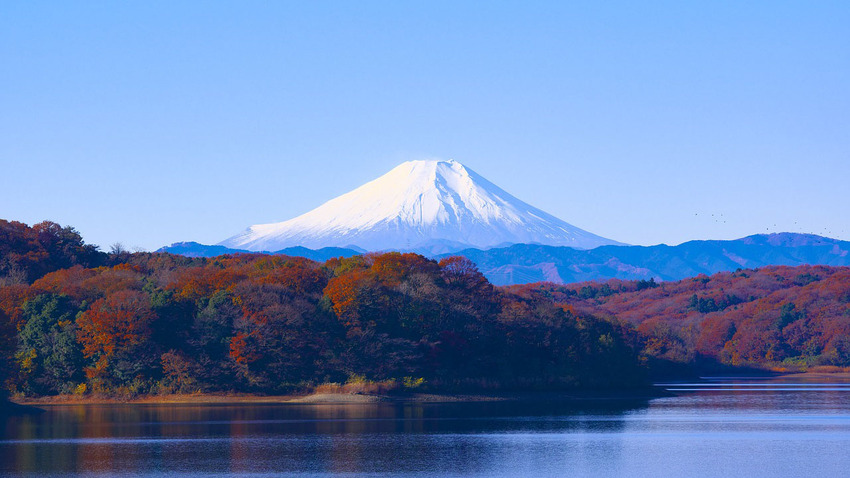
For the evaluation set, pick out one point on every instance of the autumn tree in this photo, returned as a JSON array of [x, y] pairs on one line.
[[115, 334], [27, 253]]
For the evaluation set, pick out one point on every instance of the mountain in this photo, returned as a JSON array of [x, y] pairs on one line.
[[194, 249], [423, 206], [526, 263]]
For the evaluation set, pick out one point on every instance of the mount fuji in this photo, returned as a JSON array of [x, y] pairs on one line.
[[425, 206]]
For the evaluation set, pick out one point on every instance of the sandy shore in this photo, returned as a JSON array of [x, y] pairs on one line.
[[255, 399], [339, 398]]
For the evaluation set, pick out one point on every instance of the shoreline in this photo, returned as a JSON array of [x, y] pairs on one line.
[[343, 398]]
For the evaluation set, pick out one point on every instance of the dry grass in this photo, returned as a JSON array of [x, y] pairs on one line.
[[359, 387], [355, 390], [828, 369]]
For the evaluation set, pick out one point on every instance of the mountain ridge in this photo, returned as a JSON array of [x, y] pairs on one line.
[[526, 263], [523, 263]]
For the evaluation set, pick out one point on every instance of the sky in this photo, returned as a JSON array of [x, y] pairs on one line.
[[148, 123]]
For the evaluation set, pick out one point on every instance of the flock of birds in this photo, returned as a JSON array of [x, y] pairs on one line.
[[719, 219]]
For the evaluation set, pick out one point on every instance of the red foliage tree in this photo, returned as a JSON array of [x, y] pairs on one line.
[[118, 323]]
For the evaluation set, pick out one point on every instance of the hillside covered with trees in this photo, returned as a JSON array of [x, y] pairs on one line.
[[74, 320], [778, 316], [127, 324]]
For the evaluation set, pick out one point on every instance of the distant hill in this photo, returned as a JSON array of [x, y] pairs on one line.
[[527, 263], [194, 249]]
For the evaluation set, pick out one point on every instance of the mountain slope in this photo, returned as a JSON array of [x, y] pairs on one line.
[[425, 206]]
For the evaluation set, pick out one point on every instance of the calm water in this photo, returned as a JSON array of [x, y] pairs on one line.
[[723, 427]]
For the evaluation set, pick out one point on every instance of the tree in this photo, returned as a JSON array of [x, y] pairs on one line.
[[115, 334], [48, 353], [7, 345], [27, 253], [210, 339]]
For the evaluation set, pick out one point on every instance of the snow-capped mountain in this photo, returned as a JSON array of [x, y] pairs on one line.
[[434, 206]]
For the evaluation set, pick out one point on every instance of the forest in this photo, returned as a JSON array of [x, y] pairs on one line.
[[75, 320], [79, 321], [777, 317]]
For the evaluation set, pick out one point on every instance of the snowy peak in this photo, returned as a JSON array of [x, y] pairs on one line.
[[424, 193], [436, 205]]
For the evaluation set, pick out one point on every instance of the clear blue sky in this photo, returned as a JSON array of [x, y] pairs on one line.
[[148, 123]]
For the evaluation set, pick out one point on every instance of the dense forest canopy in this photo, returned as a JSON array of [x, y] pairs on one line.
[[76, 320], [27, 253], [141, 323]]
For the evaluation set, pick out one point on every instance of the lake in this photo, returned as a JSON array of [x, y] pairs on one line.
[[715, 427]]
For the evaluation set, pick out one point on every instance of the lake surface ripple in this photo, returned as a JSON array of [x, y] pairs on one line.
[[713, 427]]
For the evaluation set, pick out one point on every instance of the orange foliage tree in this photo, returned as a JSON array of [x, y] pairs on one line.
[[114, 332]]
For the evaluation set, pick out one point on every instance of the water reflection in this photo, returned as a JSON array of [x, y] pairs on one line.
[[309, 437], [750, 431]]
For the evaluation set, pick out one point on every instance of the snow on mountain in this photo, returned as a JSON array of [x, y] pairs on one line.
[[434, 206]]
